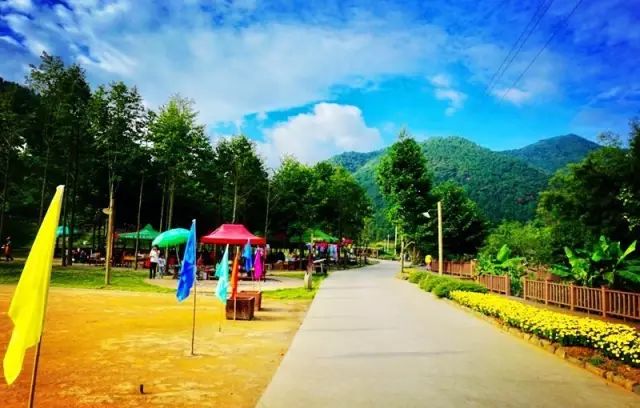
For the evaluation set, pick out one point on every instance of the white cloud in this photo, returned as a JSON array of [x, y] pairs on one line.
[[444, 91], [440, 80], [230, 70], [311, 137], [20, 5], [9, 40], [514, 95]]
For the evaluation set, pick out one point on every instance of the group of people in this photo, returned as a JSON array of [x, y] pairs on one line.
[[7, 250]]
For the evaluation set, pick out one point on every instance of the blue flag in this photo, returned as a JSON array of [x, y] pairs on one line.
[[247, 254], [188, 268], [222, 272]]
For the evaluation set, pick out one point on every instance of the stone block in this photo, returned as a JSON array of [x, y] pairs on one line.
[[575, 361], [596, 370]]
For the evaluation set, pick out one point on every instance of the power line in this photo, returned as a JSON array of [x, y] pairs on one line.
[[551, 37], [531, 26]]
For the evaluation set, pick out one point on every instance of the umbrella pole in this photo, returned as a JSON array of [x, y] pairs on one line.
[[193, 329]]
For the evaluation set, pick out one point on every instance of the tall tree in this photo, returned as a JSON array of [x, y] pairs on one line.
[[246, 178], [405, 183], [178, 142], [463, 224]]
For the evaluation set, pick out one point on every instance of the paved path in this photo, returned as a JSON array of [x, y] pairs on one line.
[[370, 340]]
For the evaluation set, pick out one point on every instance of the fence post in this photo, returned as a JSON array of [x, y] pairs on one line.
[[546, 292], [572, 296], [490, 283], [524, 288], [507, 285], [603, 300]]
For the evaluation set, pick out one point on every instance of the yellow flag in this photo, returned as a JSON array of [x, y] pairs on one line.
[[29, 300]]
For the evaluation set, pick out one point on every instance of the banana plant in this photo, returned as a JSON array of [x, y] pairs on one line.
[[602, 265]]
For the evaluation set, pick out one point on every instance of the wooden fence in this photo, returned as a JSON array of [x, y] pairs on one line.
[[603, 301], [496, 283], [463, 269]]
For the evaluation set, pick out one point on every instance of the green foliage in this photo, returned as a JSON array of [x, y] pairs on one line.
[[605, 264], [443, 289], [431, 281], [441, 286], [324, 196], [532, 242], [405, 183], [504, 187], [554, 153], [504, 263], [463, 224], [352, 161], [416, 276], [582, 201]]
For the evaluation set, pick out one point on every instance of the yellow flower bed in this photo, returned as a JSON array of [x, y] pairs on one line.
[[617, 341]]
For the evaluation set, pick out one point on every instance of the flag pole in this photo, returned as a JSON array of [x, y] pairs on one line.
[[34, 374], [193, 328], [36, 358]]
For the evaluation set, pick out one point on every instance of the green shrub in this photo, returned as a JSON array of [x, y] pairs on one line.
[[433, 281], [416, 276], [444, 288]]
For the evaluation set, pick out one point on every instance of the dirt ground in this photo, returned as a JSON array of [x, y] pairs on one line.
[[99, 346]]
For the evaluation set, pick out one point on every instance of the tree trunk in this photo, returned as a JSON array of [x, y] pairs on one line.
[[266, 217], [74, 197], [135, 256], [164, 193], [44, 184], [5, 185], [65, 204], [172, 190], [235, 201], [109, 251]]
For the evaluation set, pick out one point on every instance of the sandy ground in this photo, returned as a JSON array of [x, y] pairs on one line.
[[99, 346]]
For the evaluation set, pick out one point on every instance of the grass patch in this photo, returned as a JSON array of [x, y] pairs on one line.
[[87, 278], [295, 293]]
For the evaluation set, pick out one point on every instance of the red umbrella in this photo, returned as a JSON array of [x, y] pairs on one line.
[[233, 234]]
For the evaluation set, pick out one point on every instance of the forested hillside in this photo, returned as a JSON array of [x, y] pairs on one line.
[[352, 161], [504, 185], [554, 153]]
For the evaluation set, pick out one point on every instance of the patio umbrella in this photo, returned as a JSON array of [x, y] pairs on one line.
[[146, 234], [172, 237], [60, 231]]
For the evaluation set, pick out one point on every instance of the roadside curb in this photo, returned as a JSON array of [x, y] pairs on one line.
[[555, 349]]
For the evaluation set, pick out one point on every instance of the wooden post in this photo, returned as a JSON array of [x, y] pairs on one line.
[[490, 283], [572, 296], [603, 300], [109, 252], [507, 285], [546, 292], [524, 288]]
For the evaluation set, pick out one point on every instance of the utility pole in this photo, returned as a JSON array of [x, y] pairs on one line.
[[107, 262], [440, 249]]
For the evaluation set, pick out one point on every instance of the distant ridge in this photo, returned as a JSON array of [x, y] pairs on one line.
[[555, 152], [504, 184]]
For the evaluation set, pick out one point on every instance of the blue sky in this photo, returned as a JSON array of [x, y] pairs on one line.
[[314, 78]]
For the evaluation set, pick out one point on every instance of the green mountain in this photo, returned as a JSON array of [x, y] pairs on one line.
[[554, 153], [504, 187], [352, 161]]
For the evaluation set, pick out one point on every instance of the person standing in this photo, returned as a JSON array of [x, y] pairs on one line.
[[8, 250], [153, 262], [427, 260]]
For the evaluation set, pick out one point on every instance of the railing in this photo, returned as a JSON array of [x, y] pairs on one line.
[[463, 269], [600, 300], [496, 283]]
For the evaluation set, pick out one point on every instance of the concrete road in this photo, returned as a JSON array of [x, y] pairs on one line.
[[371, 340]]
